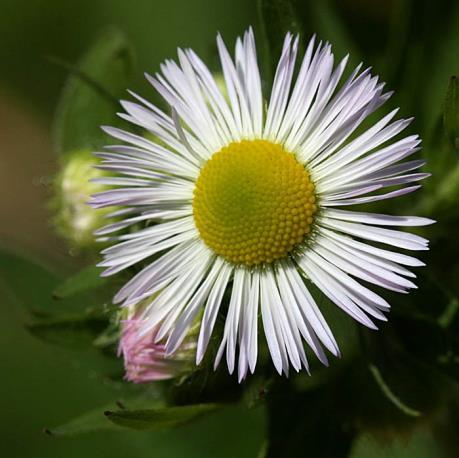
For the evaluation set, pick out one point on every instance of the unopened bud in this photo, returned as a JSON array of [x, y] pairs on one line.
[[75, 220], [145, 359]]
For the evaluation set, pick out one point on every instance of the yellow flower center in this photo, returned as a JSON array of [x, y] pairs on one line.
[[253, 202]]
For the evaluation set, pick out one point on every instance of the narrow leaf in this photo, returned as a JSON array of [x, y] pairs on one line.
[[95, 420], [71, 332], [30, 284], [84, 280], [159, 419]]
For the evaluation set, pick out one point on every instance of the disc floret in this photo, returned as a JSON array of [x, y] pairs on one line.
[[253, 202]]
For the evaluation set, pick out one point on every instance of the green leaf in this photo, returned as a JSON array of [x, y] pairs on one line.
[[96, 420], [89, 99], [27, 281], [228, 426], [160, 418], [451, 111], [85, 280], [71, 332], [71, 322], [30, 284], [109, 337]]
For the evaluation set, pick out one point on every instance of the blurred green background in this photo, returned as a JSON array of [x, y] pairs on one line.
[[43, 386]]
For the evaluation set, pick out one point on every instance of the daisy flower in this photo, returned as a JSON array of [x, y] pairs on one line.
[[241, 194]]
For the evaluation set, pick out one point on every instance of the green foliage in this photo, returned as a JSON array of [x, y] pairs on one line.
[[28, 282], [160, 418], [96, 419], [91, 421], [123, 414], [451, 111], [72, 332], [83, 281], [74, 321], [240, 430], [90, 98], [31, 285]]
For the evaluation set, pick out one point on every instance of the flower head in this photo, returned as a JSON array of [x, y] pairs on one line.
[[235, 197], [145, 360], [74, 219]]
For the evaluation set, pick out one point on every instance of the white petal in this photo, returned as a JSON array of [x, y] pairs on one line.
[[276, 347], [383, 254], [211, 310], [330, 288], [183, 323], [376, 218], [310, 311], [387, 236], [360, 268], [231, 330]]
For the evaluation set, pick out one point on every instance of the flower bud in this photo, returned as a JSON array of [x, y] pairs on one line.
[[145, 359], [75, 220]]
